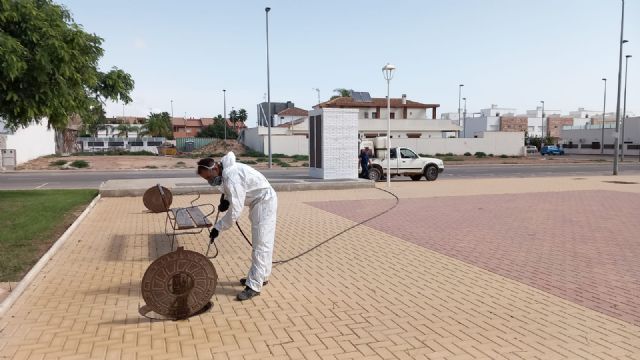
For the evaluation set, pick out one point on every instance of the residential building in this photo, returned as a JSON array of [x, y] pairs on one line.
[[276, 107], [587, 139], [290, 116], [490, 120], [409, 119], [189, 127]]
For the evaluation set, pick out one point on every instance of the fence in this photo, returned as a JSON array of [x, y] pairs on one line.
[[192, 143]]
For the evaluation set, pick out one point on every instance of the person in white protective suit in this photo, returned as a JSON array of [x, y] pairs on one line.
[[242, 185]]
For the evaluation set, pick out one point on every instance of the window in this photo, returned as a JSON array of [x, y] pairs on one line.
[[413, 136], [497, 114], [136, 143], [95, 143], [393, 115], [374, 115], [154, 143], [408, 154], [366, 114], [393, 154], [116, 143]]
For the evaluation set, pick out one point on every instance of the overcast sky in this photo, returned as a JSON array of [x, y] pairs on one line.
[[507, 52]]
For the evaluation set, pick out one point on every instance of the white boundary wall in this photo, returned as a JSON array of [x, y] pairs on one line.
[[32, 142]]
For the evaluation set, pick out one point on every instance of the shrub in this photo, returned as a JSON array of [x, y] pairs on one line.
[[449, 154], [480, 154], [300, 157], [305, 164], [278, 156], [439, 154], [80, 164], [150, 167], [504, 156], [58, 163], [284, 164], [253, 153], [248, 162], [490, 155], [261, 159], [467, 154]]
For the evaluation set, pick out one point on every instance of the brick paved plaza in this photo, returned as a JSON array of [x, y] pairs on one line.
[[462, 269]]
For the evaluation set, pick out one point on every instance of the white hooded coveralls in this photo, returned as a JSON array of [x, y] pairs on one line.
[[243, 185]]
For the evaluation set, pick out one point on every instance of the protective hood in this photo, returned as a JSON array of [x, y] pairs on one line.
[[228, 160]]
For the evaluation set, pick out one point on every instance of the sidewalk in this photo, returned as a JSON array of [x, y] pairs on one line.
[[460, 269]]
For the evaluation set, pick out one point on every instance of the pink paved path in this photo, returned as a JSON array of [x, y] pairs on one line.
[[583, 246]]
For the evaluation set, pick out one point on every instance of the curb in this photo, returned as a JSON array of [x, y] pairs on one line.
[[278, 187], [28, 278]]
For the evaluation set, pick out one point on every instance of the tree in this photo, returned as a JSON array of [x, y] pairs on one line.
[[242, 116], [342, 92], [157, 125], [125, 129], [233, 116], [50, 67], [217, 130]]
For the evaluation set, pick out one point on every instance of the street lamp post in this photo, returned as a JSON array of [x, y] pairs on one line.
[[172, 109], [459, 96], [387, 71], [604, 110], [542, 117], [224, 109], [616, 140], [266, 11], [464, 116], [318, 91], [624, 108]]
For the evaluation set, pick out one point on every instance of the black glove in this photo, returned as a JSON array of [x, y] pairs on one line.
[[224, 205], [213, 235]]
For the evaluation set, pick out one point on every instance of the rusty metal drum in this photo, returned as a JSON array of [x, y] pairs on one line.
[[157, 199], [179, 284]]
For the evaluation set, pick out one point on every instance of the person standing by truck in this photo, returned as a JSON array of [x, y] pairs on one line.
[[364, 162]]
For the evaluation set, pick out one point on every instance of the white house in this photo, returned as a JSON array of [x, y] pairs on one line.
[[587, 139], [29, 143]]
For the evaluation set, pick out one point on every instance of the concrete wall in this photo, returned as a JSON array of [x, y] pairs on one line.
[[497, 143], [287, 144], [593, 133], [32, 142]]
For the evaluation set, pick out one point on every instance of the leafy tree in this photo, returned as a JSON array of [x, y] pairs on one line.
[[217, 130], [49, 67], [157, 125], [233, 116], [342, 92]]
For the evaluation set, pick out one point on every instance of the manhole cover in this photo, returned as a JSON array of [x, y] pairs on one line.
[[152, 199], [179, 284], [621, 182]]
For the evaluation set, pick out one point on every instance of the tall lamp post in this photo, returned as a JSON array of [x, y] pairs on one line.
[[459, 96], [318, 91], [464, 116], [616, 140], [624, 108], [224, 109], [387, 71], [171, 108], [542, 117], [266, 12], [604, 110]]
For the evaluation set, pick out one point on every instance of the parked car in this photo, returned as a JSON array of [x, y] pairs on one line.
[[531, 149], [407, 164], [551, 150]]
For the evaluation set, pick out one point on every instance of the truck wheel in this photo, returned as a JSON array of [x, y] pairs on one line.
[[431, 173], [375, 174], [416, 177]]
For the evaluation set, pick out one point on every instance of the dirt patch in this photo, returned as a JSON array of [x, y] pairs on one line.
[[221, 147]]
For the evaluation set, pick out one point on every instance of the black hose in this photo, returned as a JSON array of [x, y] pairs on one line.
[[278, 262]]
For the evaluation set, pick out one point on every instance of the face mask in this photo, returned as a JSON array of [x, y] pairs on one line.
[[216, 181]]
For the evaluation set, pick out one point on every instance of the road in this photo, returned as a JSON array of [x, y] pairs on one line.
[[92, 179]]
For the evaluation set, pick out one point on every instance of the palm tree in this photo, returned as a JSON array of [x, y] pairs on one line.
[[242, 116], [233, 116], [157, 125], [125, 129]]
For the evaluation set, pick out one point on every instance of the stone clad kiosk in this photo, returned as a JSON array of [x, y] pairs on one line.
[[333, 143]]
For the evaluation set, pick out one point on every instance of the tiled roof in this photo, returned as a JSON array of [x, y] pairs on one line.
[[348, 102], [293, 112]]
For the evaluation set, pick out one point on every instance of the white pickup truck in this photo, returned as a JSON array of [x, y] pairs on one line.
[[407, 164]]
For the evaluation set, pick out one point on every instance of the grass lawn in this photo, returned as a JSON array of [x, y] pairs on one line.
[[31, 221]]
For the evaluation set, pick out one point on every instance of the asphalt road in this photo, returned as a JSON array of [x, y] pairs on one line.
[[73, 179]]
